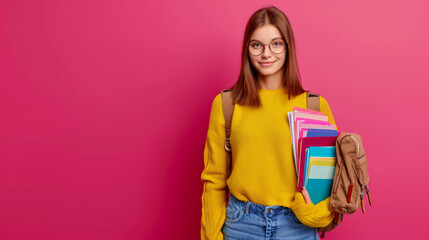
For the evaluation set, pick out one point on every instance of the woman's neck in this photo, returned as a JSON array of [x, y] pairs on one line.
[[274, 81]]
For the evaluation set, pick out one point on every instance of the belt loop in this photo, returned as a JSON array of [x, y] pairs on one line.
[[247, 207]]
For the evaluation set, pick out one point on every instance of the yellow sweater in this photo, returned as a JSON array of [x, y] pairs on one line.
[[263, 167]]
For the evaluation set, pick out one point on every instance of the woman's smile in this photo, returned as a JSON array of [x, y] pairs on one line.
[[266, 64]]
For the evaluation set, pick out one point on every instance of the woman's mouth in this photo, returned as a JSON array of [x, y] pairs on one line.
[[266, 64]]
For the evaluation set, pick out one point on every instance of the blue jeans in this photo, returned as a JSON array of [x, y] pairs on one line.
[[251, 221]]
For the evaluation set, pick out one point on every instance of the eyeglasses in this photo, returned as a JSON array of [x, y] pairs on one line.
[[256, 47]]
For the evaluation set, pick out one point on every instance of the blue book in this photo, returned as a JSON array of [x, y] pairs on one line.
[[319, 182], [321, 133], [329, 152], [319, 189]]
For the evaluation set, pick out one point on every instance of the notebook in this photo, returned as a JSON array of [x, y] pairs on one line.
[[320, 165], [307, 143]]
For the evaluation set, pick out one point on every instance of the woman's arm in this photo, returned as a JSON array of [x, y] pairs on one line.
[[214, 175], [319, 215]]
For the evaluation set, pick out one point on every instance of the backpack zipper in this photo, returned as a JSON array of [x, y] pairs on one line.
[[362, 195], [361, 199], [357, 173], [367, 193]]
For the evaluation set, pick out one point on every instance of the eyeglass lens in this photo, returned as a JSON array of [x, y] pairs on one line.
[[257, 47]]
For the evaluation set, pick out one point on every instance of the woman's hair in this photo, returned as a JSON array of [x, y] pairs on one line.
[[245, 90]]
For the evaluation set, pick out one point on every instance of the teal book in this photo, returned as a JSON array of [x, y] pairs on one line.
[[320, 176]]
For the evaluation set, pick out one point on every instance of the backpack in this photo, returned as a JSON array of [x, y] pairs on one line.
[[350, 180], [351, 173]]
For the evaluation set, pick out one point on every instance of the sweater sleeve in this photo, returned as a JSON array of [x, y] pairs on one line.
[[319, 215], [214, 175]]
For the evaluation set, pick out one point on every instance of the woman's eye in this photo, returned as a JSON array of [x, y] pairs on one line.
[[256, 45]]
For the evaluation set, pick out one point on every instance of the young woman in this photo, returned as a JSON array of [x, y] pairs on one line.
[[263, 201]]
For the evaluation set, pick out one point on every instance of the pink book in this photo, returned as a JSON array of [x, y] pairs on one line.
[[309, 116], [308, 123]]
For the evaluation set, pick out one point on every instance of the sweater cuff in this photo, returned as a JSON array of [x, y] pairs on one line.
[[318, 215]]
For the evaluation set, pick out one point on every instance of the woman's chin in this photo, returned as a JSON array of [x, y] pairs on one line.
[[267, 72]]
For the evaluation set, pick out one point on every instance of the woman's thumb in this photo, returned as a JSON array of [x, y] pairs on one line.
[[305, 195]]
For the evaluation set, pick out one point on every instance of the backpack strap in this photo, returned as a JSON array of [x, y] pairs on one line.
[[313, 101], [228, 110]]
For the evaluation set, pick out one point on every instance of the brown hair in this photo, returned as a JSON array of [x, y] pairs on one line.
[[245, 90]]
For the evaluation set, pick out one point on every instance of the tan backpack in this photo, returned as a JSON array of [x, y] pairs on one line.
[[351, 173], [350, 180]]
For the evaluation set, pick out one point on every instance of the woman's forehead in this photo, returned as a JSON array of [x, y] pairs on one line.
[[266, 33]]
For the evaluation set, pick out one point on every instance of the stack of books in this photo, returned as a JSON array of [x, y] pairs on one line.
[[313, 144]]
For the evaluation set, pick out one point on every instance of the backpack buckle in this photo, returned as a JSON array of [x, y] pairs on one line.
[[228, 149]]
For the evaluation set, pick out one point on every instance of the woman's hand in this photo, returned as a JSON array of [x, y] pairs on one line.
[[318, 215], [305, 195]]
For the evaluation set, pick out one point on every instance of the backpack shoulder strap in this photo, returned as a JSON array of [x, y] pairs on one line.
[[228, 110], [313, 101]]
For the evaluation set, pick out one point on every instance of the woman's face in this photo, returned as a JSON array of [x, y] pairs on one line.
[[273, 61]]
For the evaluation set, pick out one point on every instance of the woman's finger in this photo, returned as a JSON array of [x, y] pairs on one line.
[[305, 195]]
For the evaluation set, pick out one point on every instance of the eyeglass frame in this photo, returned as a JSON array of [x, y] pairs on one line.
[[269, 46]]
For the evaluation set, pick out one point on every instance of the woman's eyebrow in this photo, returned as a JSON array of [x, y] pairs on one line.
[[271, 39]]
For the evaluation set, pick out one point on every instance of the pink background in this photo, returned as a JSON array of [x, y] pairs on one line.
[[104, 109]]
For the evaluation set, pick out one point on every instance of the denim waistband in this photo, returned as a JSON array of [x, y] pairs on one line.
[[258, 208]]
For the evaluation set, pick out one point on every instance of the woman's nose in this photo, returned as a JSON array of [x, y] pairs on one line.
[[267, 51]]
